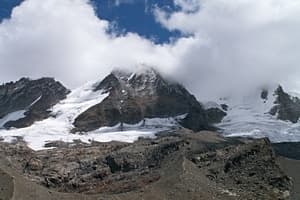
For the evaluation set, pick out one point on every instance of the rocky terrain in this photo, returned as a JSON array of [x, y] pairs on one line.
[[178, 165], [287, 107], [153, 148], [136, 96], [289, 150], [25, 101]]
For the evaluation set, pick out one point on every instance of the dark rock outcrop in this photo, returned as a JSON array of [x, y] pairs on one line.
[[253, 162], [215, 115], [224, 107], [264, 94], [288, 149], [287, 107], [183, 164], [136, 96], [35, 97]]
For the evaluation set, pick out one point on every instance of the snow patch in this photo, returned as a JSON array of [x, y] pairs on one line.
[[131, 76], [249, 116], [52, 129], [35, 101], [211, 104], [229, 193], [58, 127], [14, 116]]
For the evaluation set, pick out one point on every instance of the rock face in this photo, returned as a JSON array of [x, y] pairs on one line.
[[180, 165], [264, 94], [136, 96], [288, 149], [33, 97], [287, 107], [215, 115]]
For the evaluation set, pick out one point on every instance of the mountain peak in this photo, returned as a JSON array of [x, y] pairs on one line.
[[142, 81], [148, 74], [136, 95]]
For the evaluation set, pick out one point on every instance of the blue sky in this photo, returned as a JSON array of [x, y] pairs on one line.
[[128, 15], [6, 7], [257, 40]]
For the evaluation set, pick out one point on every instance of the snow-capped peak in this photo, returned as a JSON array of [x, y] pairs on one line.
[[147, 74]]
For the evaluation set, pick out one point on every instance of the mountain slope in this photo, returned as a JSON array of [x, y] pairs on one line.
[[122, 107], [125, 106], [26, 101], [136, 96], [286, 106], [183, 165], [270, 112]]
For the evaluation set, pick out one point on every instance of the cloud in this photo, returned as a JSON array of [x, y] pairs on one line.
[[66, 40], [238, 43], [187, 5], [233, 44], [119, 2]]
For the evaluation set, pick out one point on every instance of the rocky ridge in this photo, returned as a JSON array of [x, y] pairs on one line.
[[177, 165], [287, 107], [146, 94], [33, 98]]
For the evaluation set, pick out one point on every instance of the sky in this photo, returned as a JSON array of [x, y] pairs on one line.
[[126, 15], [213, 47]]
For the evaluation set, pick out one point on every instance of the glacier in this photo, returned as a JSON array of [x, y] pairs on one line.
[[248, 116], [58, 127]]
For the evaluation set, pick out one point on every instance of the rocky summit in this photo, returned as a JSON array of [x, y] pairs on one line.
[[25, 101], [286, 106], [144, 94]]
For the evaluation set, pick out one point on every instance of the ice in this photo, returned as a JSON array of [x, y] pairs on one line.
[[58, 127], [211, 104], [35, 101], [248, 116], [52, 129], [12, 117], [131, 76]]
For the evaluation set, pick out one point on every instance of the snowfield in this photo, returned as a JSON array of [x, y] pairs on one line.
[[12, 117], [58, 127], [246, 116], [249, 117]]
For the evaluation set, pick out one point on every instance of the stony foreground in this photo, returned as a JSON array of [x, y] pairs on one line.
[[178, 165]]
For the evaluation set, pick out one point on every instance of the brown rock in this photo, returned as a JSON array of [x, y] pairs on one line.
[[35, 164]]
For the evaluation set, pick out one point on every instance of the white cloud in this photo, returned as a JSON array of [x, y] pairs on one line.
[[234, 44], [187, 5], [238, 43], [119, 2], [66, 40]]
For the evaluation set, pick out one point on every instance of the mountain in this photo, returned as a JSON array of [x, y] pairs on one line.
[[268, 112], [139, 104], [286, 106], [136, 134], [123, 106], [139, 95], [25, 101]]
